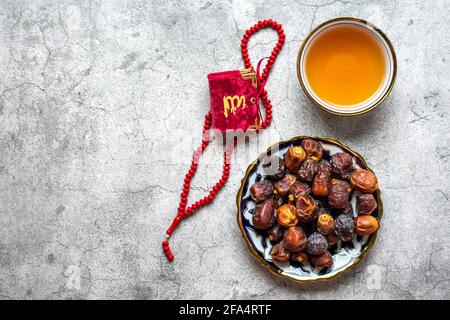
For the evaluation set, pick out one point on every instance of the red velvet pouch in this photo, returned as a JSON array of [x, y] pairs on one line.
[[234, 100]]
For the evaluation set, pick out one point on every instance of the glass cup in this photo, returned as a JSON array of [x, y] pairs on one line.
[[386, 80]]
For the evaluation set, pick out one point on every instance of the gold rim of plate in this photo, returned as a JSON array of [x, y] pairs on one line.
[[370, 107], [271, 268]]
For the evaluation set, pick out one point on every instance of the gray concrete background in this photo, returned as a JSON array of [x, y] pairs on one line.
[[101, 104]]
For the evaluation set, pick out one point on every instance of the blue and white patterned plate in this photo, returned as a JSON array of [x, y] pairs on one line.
[[345, 255]]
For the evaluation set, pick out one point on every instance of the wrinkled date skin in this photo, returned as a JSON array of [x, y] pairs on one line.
[[264, 216], [308, 169], [276, 233], [294, 157], [300, 257], [317, 244], [294, 239], [342, 164], [283, 186], [344, 227], [365, 225], [339, 194], [274, 167], [364, 180], [299, 189], [325, 223], [279, 253], [313, 149], [306, 208], [324, 260], [324, 167], [365, 204], [287, 215], [261, 190], [321, 184]]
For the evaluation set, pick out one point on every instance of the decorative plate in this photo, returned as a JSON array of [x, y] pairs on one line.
[[345, 255]]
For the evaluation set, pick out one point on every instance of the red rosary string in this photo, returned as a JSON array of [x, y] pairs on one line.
[[184, 212]]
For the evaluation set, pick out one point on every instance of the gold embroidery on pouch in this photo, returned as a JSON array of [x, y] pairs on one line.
[[232, 103], [248, 74]]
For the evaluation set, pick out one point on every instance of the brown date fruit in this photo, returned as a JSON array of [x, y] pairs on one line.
[[294, 239], [306, 208], [339, 193], [321, 185], [324, 167], [344, 227], [325, 223], [276, 233], [313, 149], [342, 164], [299, 189], [308, 170], [279, 253], [364, 180], [324, 260], [365, 204], [332, 239], [273, 167], [287, 215], [317, 244], [264, 215], [261, 190], [283, 186], [294, 157], [300, 257], [365, 225]]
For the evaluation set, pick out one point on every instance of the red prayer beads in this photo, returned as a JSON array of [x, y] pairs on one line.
[[281, 38], [182, 210]]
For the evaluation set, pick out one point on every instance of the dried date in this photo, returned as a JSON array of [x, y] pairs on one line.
[[313, 149], [342, 164], [317, 244], [276, 233], [264, 216], [321, 185], [306, 208], [299, 189], [325, 223], [364, 180], [322, 261], [365, 204], [261, 190], [279, 253], [365, 225], [344, 227], [287, 215], [294, 239], [308, 169], [339, 194], [283, 186], [294, 157]]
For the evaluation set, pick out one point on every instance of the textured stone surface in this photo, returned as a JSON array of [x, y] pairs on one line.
[[101, 105]]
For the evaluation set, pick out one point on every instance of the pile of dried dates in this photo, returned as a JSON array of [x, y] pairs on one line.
[[303, 205]]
